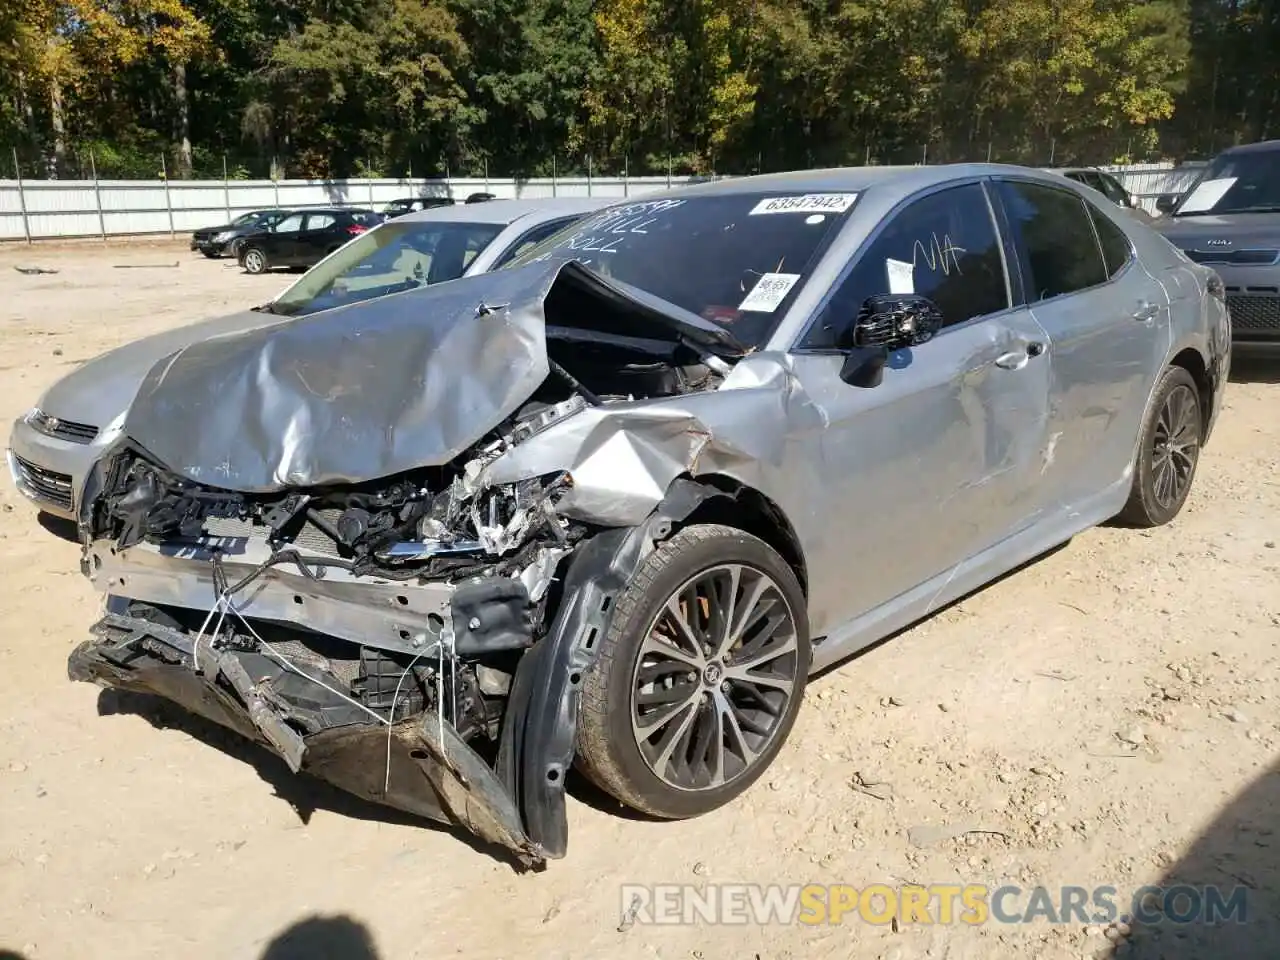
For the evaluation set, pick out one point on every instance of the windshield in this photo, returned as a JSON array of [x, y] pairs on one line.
[[1236, 183], [735, 259], [247, 218], [392, 258]]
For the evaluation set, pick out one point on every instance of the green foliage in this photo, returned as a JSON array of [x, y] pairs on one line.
[[329, 88]]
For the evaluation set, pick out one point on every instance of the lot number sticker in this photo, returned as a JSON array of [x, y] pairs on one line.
[[809, 203], [770, 290]]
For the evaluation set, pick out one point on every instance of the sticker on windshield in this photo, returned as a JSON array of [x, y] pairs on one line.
[[901, 276], [809, 203], [770, 290], [1206, 196]]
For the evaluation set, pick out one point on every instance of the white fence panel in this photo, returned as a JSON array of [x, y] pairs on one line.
[[82, 208]]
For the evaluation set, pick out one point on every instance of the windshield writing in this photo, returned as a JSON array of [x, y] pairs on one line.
[[734, 259]]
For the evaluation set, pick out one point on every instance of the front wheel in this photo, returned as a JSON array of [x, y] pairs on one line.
[[1168, 452], [698, 682], [254, 261]]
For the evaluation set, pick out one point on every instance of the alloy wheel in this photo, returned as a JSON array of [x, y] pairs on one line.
[[253, 261], [715, 674], [1176, 445]]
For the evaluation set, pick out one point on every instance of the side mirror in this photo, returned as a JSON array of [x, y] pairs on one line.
[[1167, 201], [887, 323]]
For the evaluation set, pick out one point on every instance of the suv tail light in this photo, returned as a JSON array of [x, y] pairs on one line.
[[1216, 287], [356, 229]]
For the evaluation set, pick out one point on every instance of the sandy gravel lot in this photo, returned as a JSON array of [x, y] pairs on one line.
[[1109, 715]]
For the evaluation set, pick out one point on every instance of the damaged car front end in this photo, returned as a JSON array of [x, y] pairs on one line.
[[610, 506], [322, 535]]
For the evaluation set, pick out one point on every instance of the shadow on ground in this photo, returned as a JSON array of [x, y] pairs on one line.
[[1239, 856], [1255, 366], [63, 529], [305, 794], [321, 938]]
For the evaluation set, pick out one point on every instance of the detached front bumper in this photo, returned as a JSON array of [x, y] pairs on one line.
[[430, 772]]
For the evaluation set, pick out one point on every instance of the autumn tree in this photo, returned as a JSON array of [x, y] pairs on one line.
[[331, 87]]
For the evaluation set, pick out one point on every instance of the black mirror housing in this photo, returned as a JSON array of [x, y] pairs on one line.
[[894, 321], [1166, 202], [887, 323]]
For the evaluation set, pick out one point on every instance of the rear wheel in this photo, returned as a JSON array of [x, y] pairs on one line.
[[700, 677], [1168, 452], [254, 260]]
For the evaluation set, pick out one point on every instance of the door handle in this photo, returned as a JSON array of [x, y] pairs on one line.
[[1146, 311], [1017, 359]]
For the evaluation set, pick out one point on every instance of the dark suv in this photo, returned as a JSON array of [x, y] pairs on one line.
[[1230, 220], [304, 238]]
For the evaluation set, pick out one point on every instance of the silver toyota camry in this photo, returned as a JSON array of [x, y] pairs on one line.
[[52, 446], [611, 506]]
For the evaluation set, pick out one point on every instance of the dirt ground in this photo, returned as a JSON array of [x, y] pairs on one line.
[[1109, 715]]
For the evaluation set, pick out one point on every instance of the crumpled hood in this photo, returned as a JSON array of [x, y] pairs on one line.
[[101, 389], [355, 393]]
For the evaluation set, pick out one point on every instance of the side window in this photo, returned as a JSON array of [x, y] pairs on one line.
[[1111, 189], [943, 246], [289, 224], [531, 237], [475, 243], [320, 221], [1059, 248], [1115, 245]]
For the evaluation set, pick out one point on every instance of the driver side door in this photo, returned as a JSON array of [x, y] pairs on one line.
[[283, 241], [318, 235], [938, 462]]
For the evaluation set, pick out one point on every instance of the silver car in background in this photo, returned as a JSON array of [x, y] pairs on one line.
[[53, 445], [611, 506]]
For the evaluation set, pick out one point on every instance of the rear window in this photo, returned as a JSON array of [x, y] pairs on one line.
[[1115, 245], [1056, 233]]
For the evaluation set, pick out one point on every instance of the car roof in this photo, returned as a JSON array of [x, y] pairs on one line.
[[1265, 146], [507, 211], [902, 180]]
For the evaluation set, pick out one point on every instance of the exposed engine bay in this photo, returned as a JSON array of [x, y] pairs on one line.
[[334, 621]]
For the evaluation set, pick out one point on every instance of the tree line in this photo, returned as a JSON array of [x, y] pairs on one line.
[[337, 88]]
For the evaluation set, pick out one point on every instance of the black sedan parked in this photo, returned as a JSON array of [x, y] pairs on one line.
[[398, 208], [304, 238], [218, 241]]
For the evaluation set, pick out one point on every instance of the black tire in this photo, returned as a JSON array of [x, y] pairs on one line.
[[609, 751], [254, 260], [212, 255], [1165, 467]]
